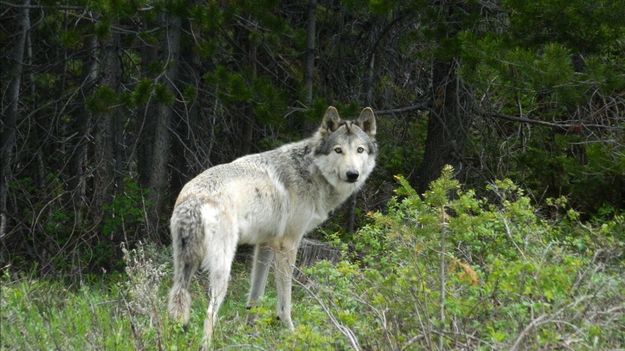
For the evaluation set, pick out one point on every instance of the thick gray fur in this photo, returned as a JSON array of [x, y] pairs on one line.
[[271, 200]]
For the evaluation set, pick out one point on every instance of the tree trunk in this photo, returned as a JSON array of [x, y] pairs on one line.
[[250, 50], [160, 151], [449, 118], [312, 251], [448, 124], [310, 51], [8, 134], [78, 183], [104, 186], [145, 127], [189, 124], [37, 131]]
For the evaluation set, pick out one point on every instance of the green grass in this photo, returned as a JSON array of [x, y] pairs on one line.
[[41, 315], [47, 315]]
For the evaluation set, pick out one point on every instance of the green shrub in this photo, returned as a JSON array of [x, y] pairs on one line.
[[511, 278]]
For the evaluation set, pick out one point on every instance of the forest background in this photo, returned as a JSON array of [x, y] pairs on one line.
[[109, 107]]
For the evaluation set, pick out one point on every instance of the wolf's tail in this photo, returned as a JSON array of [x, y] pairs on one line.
[[188, 250]]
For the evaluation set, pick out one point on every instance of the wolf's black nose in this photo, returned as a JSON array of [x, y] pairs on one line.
[[352, 176]]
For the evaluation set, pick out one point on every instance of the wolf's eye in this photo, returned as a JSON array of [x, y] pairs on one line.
[[360, 150], [338, 150]]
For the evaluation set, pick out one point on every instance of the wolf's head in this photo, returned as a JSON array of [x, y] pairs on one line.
[[346, 152]]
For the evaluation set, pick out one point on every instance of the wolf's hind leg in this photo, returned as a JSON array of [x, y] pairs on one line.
[[219, 274], [218, 262], [179, 297], [187, 252]]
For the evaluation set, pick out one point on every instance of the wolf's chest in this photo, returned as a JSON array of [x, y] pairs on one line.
[[304, 216]]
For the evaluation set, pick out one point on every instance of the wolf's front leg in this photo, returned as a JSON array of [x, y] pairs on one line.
[[284, 264], [263, 255]]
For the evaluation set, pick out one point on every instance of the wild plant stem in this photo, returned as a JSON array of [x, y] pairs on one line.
[[442, 277]]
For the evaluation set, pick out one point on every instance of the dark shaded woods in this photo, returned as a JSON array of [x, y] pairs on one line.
[[108, 107]]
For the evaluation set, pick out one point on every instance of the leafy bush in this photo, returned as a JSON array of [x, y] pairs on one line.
[[453, 270]]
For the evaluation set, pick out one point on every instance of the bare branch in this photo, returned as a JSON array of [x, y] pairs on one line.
[[36, 7], [545, 123], [425, 105]]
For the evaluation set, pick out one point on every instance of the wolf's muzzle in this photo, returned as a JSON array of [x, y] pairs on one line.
[[352, 176]]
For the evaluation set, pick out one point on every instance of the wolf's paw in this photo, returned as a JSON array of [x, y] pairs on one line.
[[251, 319], [179, 306], [287, 322]]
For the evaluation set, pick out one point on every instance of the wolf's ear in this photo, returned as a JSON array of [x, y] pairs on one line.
[[366, 121], [331, 121]]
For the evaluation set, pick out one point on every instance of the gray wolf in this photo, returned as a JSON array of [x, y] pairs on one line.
[[270, 200]]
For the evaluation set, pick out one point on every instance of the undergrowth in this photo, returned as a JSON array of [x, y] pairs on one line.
[[446, 270]]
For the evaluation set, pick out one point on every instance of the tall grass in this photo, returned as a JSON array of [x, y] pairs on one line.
[[127, 311]]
